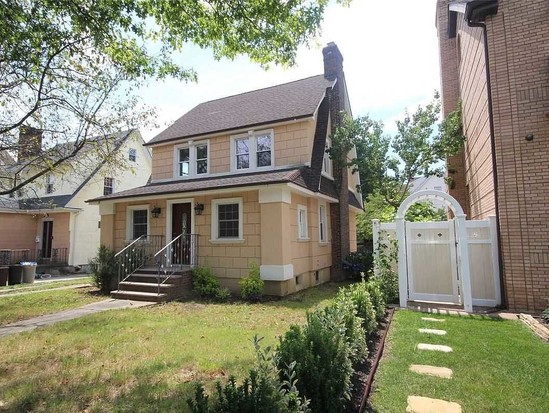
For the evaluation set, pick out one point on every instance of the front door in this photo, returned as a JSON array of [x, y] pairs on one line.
[[47, 238], [181, 224]]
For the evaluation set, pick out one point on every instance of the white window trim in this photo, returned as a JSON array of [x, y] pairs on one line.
[[130, 150], [215, 220], [50, 181], [129, 219], [299, 234], [326, 161], [105, 186], [192, 159], [252, 136], [326, 238]]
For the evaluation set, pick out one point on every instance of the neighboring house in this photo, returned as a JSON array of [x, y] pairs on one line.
[[49, 220], [430, 182], [494, 57], [247, 177]]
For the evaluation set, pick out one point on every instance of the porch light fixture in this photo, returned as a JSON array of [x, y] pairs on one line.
[[156, 212], [198, 209]]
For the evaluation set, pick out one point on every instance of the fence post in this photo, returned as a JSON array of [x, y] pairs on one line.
[[402, 272], [375, 237], [495, 256], [464, 264]]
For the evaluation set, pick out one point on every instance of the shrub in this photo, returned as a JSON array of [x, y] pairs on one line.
[[104, 269], [360, 297], [251, 287], [355, 334], [207, 284], [377, 297], [262, 391], [388, 276], [358, 264], [323, 354], [545, 315]]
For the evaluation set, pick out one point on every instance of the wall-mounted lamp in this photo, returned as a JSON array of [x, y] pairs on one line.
[[156, 212], [198, 209]]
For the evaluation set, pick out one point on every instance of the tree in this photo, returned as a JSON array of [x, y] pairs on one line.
[[69, 68]]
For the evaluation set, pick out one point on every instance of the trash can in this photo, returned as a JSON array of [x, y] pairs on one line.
[[15, 274], [4, 273], [29, 272]]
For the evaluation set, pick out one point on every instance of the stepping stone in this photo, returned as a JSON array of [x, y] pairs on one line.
[[434, 347], [418, 404], [432, 331], [436, 320], [442, 372]]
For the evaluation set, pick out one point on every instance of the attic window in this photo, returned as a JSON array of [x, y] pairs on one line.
[[132, 154], [326, 160], [49, 184], [191, 159], [108, 186], [252, 151]]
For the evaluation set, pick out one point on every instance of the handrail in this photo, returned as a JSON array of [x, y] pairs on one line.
[[167, 245], [128, 246]]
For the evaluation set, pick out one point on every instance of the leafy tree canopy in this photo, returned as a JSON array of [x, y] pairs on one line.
[[69, 68]]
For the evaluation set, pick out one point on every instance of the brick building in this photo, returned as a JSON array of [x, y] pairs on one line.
[[494, 56]]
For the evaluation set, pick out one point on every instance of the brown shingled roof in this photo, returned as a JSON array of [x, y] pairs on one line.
[[292, 100]]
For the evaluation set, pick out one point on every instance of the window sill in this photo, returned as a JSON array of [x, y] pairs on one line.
[[324, 243], [227, 241], [303, 239]]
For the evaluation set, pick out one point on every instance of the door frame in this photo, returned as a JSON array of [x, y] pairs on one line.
[[42, 246], [169, 218]]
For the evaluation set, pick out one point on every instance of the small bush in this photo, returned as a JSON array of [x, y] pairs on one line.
[[104, 269], [355, 334], [358, 264], [360, 297], [323, 354], [377, 297], [261, 392], [207, 284], [251, 287], [545, 315]]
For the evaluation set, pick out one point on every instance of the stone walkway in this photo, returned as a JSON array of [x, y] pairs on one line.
[[419, 404], [48, 319]]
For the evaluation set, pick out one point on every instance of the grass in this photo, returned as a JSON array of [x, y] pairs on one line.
[[499, 366], [21, 307], [42, 286], [141, 360]]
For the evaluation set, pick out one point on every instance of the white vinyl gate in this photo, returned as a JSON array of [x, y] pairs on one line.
[[454, 262]]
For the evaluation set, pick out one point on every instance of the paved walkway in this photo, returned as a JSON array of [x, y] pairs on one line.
[[48, 319]]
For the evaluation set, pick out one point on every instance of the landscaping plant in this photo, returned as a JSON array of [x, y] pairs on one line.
[[104, 269], [207, 284], [545, 315], [360, 297], [251, 287]]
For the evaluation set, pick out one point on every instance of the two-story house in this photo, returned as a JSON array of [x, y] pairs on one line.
[[246, 179], [49, 220]]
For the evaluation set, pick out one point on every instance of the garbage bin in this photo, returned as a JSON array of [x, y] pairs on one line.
[[4, 273], [15, 274], [29, 271]]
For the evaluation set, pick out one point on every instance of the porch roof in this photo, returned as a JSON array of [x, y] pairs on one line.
[[298, 176]]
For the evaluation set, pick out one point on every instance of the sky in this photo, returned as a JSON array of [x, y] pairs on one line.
[[390, 53]]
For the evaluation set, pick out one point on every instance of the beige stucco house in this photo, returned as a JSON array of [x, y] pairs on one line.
[[50, 221], [494, 58], [247, 179]]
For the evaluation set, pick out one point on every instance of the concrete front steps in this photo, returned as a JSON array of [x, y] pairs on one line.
[[143, 286]]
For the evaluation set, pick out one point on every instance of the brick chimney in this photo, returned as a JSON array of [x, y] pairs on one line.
[[30, 143], [339, 213]]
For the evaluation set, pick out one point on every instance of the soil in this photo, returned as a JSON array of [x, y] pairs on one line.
[[361, 384]]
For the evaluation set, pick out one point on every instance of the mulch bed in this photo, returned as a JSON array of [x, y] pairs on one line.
[[364, 373]]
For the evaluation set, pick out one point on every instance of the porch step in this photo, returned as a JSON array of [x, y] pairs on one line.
[[139, 296], [146, 287]]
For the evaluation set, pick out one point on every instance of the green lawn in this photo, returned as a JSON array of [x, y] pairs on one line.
[[141, 360], [39, 286], [499, 366], [21, 307]]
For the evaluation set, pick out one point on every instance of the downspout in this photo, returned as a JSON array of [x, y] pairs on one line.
[[482, 25]]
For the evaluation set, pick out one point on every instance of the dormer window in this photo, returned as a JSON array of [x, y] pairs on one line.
[[252, 151], [192, 159]]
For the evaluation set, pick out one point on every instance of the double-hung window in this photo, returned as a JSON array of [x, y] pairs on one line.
[[322, 223], [326, 161], [132, 154], [49, 184], [108, 186], [227, 219], [302, 228], [192, 159], [252, 151]]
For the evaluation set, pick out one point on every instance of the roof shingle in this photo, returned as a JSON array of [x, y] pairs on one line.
[[292, 100]]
